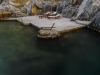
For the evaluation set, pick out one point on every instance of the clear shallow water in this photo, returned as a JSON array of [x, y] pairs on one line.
[[22, 53]]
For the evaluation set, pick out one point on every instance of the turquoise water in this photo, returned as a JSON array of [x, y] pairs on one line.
[[22, 53]]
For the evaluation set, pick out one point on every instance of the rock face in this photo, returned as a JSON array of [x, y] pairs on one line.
[[70, 11], [19, 7], [49, 6], [1, 9], [6, 6], [68, 8], [90, 10], [18, 3], [80, 9], [31, 7], [61, 5], [95, 24], [1, 1]]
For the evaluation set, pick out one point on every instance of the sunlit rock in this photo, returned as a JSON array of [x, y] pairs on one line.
[[31, 7], [48, 34]]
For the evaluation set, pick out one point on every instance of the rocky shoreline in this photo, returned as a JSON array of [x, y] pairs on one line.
[[84, 10]]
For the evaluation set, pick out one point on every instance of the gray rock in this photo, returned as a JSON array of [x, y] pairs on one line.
[[27, 8], [70, 11], [95, 24], [44, 33], [48, 34], [4, 2], [49, 6], [79, 9], [1, 8], [61, 6], [89, 11], [1, 1]]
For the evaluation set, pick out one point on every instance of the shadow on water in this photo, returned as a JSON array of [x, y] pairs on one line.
[[22, 53]]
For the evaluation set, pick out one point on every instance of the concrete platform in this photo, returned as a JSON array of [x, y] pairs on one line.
[[62, 24]]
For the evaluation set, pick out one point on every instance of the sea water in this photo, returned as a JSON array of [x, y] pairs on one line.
[[23, 53]]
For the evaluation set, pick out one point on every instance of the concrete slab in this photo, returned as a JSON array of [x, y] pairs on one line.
[[61, 24]]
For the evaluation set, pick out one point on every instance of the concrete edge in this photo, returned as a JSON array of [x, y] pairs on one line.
[[61, 32], [69, 30]]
